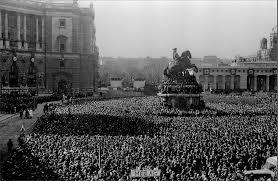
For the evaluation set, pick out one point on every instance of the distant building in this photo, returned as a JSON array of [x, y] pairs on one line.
[[197, 61], [139, 84], [151, 69], [116, 82], [60, 35], [252, 73], [211, 60]]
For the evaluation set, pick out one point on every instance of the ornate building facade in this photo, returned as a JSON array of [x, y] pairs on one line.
[[56, 39], [252, 73]]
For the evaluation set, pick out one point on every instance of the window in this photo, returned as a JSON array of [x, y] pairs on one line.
[[62, 47], [62, 23], [62, 43], [243, 70], [62, 64]]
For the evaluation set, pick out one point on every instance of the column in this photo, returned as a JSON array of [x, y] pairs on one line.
[[18, 32], [267, 83], [37, 34], [206, 83], [43, 42], [243, 81], [1, 40], [255, 83], [214, 82], [223, 82], [232, 82], [25, 33], [7, 31]]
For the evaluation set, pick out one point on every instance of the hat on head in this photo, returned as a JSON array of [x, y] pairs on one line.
[[174, 48]]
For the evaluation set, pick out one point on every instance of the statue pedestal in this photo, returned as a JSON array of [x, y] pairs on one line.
[[183, 101]]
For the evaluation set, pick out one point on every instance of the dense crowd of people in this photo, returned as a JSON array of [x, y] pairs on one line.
[[13, 103], [104, 140]]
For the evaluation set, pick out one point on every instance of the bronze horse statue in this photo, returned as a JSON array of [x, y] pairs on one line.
[[178, 67]]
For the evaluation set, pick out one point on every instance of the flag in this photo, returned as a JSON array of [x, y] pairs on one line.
[[22, 128]]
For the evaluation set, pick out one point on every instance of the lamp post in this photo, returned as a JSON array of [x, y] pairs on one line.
[[1, 80]]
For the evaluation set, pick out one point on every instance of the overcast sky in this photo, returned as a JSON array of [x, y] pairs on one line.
[[153, 28]]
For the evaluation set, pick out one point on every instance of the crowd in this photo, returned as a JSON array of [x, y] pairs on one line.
[[260, 104], [26, 113], [104, 140], [13, 103]]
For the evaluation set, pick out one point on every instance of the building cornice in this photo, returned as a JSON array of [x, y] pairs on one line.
[[38, 8], [20, 9]]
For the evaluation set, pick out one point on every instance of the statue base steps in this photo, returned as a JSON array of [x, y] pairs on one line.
[[182, 101]]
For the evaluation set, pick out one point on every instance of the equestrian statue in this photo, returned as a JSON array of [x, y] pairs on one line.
[[180, 87]]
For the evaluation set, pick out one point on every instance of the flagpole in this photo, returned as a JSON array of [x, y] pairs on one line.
[[276, 114], [99, 155]]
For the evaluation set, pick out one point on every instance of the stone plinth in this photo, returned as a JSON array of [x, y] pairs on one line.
[[182, 101]]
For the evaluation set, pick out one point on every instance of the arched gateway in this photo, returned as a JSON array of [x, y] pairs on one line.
[[62, 82]]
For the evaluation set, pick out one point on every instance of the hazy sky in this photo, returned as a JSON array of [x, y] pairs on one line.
[[153, 28]]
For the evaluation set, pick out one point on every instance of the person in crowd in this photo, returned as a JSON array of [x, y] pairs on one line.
[[21, 113], [27, 115], [10, 145], [45, 108], [31, 113]]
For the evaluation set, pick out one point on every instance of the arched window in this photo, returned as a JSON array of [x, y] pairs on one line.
[[62, 42]]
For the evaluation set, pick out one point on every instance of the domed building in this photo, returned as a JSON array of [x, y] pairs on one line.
[[58, 37], [250, 73]]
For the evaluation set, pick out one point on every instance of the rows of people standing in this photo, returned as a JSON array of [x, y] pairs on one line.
[[201, 147]]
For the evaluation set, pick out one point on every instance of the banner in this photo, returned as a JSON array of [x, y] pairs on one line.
[[145, 173]]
